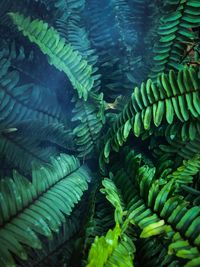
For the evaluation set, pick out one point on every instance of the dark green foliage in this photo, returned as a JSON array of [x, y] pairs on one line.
[[154, 205], [74, 84], [23, 100], [175, 34], [32, 141], [173, 97], [38, 207], [60, 54]]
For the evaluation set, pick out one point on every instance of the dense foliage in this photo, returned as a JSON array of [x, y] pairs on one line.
[[99, 133]]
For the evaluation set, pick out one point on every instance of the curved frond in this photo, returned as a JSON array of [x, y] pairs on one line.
[[109, 250], [22, 102], [21, 147], [155, 207], [38, 207], [60, 54], [175, 35], [174, 97]]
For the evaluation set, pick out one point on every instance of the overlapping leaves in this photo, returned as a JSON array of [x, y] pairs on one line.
[[22, 102], [32, 141], [172, 98], [155, 207], [116, 248], [38, 207], [175, 35], [60, 54], [87, 132]]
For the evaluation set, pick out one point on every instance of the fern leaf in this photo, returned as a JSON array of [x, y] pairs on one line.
[[109, 250], [87, 132], [184, 149], [60, 54], [185, 132], [32, 141], [108, 244], [174, 34], [38, 207], [184, 174], [19, 103], [157, 209], [153, 252], [173, 97], [113, 196]]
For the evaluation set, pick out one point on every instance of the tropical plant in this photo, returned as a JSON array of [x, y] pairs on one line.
[[99, 133]]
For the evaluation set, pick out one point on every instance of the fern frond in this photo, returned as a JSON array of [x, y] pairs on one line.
[[111, 251], [174, 34], [185, 131], [52, 134], [184, 149], [21, 147], [111, 44], [99, 219], [124, 23], [20, 152], [60, 54], [138, 8], [75, 33], [108, 244], [184, 174], [19, 103], [38, 207], [58, 249], [153, 252], [66, 7], [87, 132], [113, 196], [88, 116], [119, 252], [173, 97], [154, 206]]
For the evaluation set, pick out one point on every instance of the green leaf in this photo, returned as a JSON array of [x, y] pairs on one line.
[[38, 207], [59, 53]]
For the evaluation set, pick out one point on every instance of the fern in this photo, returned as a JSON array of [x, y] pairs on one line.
[[153, 252], [109, 251], [184, 149], [169, 97], [174, 35], [154, 206], [183, 131], [147, 212], [23, 100], [116, 247], [119, 71], [185, 173], [38, 207], [23, 146], [60, 54], [60, 247], [69, 6], [87, 133], [100, 219], [53, 134], [88, 116]]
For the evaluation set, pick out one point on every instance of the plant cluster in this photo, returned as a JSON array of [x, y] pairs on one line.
[[99, 133]]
